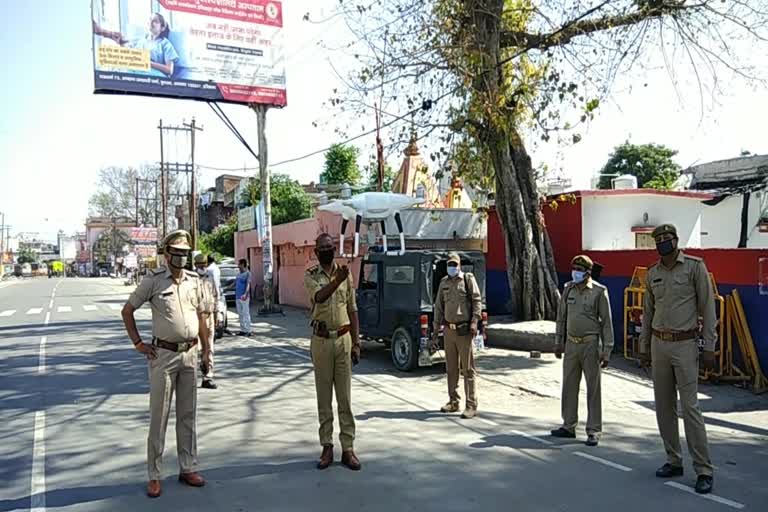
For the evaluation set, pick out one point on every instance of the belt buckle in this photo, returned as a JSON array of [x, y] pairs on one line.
[[667, 336], [333, 334], [182, 347], [452, 327]]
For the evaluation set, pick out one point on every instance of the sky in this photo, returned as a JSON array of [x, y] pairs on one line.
[[55, 134]]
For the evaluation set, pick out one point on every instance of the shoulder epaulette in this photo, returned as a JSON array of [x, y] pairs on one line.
[[156, 271], [694, 258], [313, 269], [192, 274]]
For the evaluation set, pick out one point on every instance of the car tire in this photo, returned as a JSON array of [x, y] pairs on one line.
[[404, 350]]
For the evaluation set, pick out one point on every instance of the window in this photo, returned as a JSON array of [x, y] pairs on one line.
[[644, 241], [370, 280], [400, 275]]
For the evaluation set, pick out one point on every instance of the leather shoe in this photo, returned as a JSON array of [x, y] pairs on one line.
[[153, 489], [193, 479], [669, 471], [468, 413], [563, 432], [704, 484], [349, 459], [326, 458], [592, 440], [450, 407], [209, 384]]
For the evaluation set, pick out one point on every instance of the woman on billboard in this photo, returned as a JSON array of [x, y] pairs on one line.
[[162, 54]]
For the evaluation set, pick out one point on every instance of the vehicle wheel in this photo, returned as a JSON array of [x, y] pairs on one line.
[[405, 352]]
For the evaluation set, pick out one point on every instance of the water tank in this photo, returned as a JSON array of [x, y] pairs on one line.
[[624, 182]]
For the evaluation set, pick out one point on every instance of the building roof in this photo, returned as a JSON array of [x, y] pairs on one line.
[[639, 192], [734, 174]]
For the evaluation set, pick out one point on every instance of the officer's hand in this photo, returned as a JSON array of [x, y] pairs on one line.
[[708, 359], [355, 354], [473, 329], [342, 273], [433, 344], [604, 361], [148, 350], [207, 358], [559, 351]]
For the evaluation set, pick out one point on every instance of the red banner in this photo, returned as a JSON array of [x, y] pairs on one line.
[[246, 94], [264, 12]]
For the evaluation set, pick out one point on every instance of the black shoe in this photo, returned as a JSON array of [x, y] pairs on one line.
[[592, 440], [209, 384], [704, 484], [564, 433], [669, 471]]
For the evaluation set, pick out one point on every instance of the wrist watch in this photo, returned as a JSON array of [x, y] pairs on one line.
[[137, 342]]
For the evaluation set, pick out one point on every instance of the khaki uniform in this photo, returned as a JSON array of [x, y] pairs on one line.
[[584, 320], [332, 357], [452, 308], [175, 309], [674, 300], [210, 306]]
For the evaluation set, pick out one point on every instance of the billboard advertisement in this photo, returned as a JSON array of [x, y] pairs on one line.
[[221, 50]]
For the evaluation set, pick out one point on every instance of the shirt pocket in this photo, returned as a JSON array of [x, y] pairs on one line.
[[167, 301], [683, 287], [658, 288]]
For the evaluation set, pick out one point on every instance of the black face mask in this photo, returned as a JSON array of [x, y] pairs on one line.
[[664, 248], [325, 257]]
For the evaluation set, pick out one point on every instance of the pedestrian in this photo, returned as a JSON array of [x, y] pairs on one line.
[[458, 308], [212, 311], [678, 292], [335, 347], [585, 332], [243, 294], [176, 298], [215, 272]]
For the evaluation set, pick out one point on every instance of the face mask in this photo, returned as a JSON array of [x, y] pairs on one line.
[[665, 247], [325, 257], [453, 271], [178, 261], [201, 271], [578, 276]]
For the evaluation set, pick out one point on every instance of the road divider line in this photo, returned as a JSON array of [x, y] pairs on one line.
[[89, 308], [50, 304], [489, 422], [532, 437], [8, 312], [47, 318], [37, 488], [602, 461], [34, 311], [41, 360], [710, 497], [64, 309]]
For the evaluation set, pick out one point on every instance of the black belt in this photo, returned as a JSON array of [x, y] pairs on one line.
[[455, 327], [676, 335], [338, 333], [174, 347]]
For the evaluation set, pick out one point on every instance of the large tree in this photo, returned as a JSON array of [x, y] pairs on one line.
[[289, 200], [487, 78], [116, 187], [341, 165], [651, 164]]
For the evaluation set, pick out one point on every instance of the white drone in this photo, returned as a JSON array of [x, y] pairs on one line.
[[371, 208]]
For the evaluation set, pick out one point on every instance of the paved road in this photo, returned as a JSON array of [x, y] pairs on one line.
[[73, 424]]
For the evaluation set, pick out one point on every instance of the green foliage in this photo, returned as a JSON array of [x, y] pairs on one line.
[[288, 199], [26, 255], [652, 164], [221, 241], [341, 166], [372, 179]]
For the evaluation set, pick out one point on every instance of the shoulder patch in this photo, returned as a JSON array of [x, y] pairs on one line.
[[694, 258], [599, 285], [313, 269]]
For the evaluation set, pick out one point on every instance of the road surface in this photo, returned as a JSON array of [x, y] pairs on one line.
[[74, 416]]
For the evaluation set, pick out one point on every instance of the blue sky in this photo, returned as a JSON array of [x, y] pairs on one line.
[[55, 134]]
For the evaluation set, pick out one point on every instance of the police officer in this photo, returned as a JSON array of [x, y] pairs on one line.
[[458, 308], [211, 308], [335, 347], [177, 301], [583, 321], [678, 292]]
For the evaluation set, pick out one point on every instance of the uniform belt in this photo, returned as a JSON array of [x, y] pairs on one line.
[[455, 327], [581, 339], [676, 335], [174, 347], [338, 333]]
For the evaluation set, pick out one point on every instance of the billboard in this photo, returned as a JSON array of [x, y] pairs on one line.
[[246, 218], [221, 50]]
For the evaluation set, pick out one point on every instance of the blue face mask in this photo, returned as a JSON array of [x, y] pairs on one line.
[[578, 276], [453, 271]]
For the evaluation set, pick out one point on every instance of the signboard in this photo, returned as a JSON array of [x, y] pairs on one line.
[[246, 218], [146, 251], [131, 261], [144, 235], [222, 50]]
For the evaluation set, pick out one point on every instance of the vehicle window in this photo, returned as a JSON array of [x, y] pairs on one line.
[[400, 275], [467, 268], [370, 278]]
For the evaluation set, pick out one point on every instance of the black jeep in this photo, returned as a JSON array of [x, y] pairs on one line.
[[395, 299]]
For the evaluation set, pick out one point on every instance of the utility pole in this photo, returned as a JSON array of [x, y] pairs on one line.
[[266, 242], [163, 190], [2, 244]]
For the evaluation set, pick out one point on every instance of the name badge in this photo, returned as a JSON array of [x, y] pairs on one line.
[[571, 300]]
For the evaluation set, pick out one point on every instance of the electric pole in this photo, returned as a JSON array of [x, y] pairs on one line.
[[2, 244]]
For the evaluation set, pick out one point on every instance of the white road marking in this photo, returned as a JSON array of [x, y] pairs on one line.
[[711, 497], [37, 491], [531, 437], [602, 461], [47, 318], [35, 311], [489, 422], [8, 312], [90, 308], [64, 309], [115, 307], [41, 360], [50, 304]]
